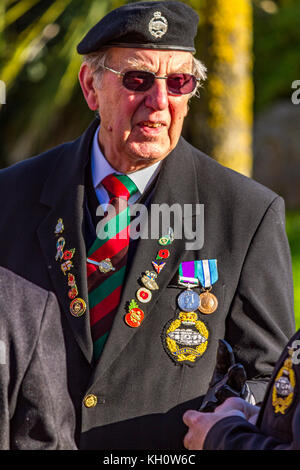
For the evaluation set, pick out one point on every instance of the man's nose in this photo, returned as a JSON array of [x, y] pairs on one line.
[[157, 96]]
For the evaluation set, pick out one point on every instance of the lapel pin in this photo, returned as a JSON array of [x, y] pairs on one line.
[[163, 254], [59, 248], [59, 228], [73, 292], [144, 295], [71, 280], [148, 279], [77, 307], [135, 315], [68, 254], [66, 266], [167, 239], [158, 266]]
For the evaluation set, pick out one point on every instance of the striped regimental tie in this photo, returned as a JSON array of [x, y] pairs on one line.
[[112, 242]]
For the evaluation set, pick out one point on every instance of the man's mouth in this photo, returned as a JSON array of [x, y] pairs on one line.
[[151, 124]]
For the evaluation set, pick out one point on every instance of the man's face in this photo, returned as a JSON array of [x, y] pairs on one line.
[[127, 135]]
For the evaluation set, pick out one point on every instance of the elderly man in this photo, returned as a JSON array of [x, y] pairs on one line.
[[142, 315]]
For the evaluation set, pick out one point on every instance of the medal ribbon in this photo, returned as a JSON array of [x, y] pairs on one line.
[[207, 272], [188, 273]]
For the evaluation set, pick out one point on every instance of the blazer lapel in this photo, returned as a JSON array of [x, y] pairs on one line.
[[168, 191], [64, 194]]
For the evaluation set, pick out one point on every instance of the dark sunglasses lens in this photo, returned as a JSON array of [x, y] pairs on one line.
[[138, 80], [181, 83]]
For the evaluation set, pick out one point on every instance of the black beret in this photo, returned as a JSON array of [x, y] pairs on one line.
[[147, 25]]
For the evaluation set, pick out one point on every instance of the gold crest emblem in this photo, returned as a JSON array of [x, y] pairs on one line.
[[284, 386], [186, 338]]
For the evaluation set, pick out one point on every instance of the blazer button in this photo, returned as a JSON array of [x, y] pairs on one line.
[[90, 401]]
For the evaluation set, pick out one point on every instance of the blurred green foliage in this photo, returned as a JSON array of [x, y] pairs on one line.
[[39, 64], [276, 49], [293, 231]]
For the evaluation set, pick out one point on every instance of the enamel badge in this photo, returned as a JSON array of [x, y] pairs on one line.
[[77, 307], [73, 291], [167, 239], [144, 295], [158, 266], [148, 279], [135, 315], [185, 338], [59, 228], [163, 254], [60, 248]]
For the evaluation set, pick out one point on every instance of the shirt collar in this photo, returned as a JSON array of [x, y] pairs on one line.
[[101, 168]]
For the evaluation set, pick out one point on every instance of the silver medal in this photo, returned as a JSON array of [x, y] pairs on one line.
[[188, 300]]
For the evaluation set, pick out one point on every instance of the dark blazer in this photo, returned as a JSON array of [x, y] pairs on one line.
[[36, 410], [276, 428], [141, 392]]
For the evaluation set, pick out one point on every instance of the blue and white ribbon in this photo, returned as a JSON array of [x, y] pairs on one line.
[[207, 272]]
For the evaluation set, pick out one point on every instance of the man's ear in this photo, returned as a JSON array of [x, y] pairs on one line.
[[86, 80]]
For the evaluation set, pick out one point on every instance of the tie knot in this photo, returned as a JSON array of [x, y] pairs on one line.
[[119, 185]]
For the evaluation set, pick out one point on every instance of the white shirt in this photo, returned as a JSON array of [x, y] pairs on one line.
[[101, 168]]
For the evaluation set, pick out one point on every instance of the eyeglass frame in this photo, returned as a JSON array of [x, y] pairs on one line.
[[121, 74]]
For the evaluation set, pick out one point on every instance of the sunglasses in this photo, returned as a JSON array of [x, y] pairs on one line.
[[140, 81]]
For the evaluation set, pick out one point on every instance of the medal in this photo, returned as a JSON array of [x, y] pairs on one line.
[[207, 273], [188, 300], [208, 302]]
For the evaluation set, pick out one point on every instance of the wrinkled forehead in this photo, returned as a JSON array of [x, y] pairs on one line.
[[149, 59]]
